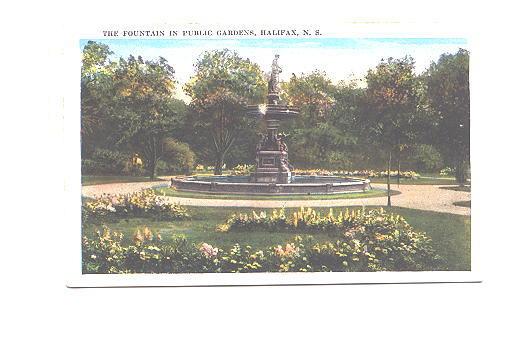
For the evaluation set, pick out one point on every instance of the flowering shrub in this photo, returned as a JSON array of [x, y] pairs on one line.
[[309, 220], [393, 174], [357, 173], [208, 250], [447, 171], [104, 254], [376, 231], [243, 169], [142, 203], [368, 241]]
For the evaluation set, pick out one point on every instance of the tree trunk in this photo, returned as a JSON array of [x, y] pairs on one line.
[[398, 169], [151, 168], [461, 176], [153, 161], [218, 168], [389, 199]]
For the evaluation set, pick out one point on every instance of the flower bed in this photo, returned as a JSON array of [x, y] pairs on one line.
[[142, 203], [243, 170], [305, 220], [363, 241], [358, 173]]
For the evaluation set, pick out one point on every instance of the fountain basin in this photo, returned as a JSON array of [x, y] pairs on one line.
[[299, 185]]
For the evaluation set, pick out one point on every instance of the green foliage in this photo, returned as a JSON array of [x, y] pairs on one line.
[[447, 89], [369, 241], [425, 158], [447, 171], [313, 93], [144, 203], [177, 157], [127, 105], [243, 170], [323, 133], [222, 85], [144, 111], [104, 161], [96, 89], [392, 99]]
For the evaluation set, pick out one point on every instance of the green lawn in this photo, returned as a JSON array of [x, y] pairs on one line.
[[462, 203], [368, 194], [97, 180], [450, 233], [423, 180]]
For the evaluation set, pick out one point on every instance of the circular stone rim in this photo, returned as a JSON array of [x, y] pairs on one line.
[[190, 184]]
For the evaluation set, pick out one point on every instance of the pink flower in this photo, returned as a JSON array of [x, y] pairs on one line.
[[208, 250], [289, 250], [279, 251]]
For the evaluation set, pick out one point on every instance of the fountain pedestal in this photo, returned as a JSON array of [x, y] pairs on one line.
[[272, 164], [272, 158]]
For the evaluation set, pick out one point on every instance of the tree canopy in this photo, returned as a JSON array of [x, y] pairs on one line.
[[129, 105], [223, 84], [447, 89]]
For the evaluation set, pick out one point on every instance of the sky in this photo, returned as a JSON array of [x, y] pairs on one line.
[[341, 58]]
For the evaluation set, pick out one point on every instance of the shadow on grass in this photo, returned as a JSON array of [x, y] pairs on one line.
[[456, 188], [462, 203]]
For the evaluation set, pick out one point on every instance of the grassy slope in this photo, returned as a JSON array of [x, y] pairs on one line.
[[450, 233], [98, 180]]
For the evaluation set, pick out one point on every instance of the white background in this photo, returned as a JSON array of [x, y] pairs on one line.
[[33, 245]]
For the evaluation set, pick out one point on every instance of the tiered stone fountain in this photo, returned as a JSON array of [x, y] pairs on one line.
[[272, 160], [273, 172]]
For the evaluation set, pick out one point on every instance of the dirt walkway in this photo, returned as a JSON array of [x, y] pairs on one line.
[[423, 197]]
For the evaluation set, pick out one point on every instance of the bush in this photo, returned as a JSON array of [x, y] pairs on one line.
[[368, 241], [104, 161], [357, 173], [243, 169], [142, 203], [336, 159], [447, 171], [177, 157], [425, 158]]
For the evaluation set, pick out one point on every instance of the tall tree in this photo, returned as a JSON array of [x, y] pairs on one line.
[[313, 93], [222, 85], [144, 106], [314, 137], [96, 95], [393, 99], [447, 83]]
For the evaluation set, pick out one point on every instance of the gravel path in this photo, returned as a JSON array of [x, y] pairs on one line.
[[423, 197]]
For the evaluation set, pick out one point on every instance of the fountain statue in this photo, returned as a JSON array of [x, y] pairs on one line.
[[273, 90], [272, 163]]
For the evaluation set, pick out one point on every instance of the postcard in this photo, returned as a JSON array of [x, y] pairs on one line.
[[257, 155]]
